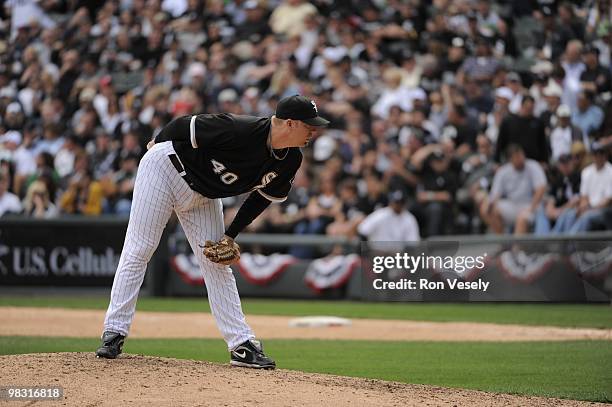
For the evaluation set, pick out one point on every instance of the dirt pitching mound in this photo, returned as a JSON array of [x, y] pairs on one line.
[[151, 381]]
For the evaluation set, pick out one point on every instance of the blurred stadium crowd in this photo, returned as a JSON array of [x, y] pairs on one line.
[[461, 116]]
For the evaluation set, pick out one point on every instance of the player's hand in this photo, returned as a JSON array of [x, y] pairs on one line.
[[150, 144], [225, 251]]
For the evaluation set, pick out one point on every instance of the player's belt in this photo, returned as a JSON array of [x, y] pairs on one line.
[[179, 168]]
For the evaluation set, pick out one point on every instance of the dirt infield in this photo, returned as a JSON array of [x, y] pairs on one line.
[[88, 323], [146, 381]]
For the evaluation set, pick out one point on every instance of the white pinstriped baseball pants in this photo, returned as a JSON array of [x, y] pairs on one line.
[[159, 190]]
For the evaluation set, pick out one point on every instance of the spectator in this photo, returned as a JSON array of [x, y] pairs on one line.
[[13, 116], [131, 144], [436, 194], [553, 40], [501, 109], [83, 196], [588, 117], [391, 224], [461, 129], [595, 78], [24, 12], [540, 81], [597, 20], [322, 210], [595, 193], [45, 171], [394, 94], [228, 101], [559, 208], [513, 82], [255, 27], [567, 18], [190, 32], [37, 203], [124, 181], [373, 195], [517, 190], [452, 61], [69, 73], [9, 202], [9, 142], [65, 157], [350, 217], [477, 171], [580, 156], [52, 140], [103, 154], [25, 160], [564, 134], [487, 18], [525, 130], [482, 66], [552, 95], [573, 66], [288, 18]]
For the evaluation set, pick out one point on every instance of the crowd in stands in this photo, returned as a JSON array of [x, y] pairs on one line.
[[447, 116]]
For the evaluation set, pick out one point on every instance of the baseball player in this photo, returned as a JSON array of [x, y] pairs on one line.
[[193, 163]]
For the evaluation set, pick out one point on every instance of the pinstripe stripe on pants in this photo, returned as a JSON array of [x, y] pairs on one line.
[[158, 191]]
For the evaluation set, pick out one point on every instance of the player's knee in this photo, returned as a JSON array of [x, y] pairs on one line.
[[141, 253]]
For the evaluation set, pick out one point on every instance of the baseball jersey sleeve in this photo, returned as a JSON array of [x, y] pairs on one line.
[[278, 188]]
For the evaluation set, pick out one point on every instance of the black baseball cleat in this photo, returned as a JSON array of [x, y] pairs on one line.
[[112, 343], [250, 354]]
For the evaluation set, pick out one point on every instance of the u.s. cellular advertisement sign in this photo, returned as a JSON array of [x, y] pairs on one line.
[[71, 252]]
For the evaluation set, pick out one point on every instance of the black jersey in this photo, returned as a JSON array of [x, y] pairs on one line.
[[227, 155]]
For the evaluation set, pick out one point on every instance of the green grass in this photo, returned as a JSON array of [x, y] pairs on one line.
[[569, 315], [579, 370]]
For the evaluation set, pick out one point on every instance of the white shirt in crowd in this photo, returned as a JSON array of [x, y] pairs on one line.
[[516, 102], [571, 83], [515, 185], [561, 141], [175, 7], [385, 225], [9, 202], [401, 96], [24, 12], [25, 161], [49, 146], [596, 185]]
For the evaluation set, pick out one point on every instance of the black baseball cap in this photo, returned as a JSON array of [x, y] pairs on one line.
[[299, 107]]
